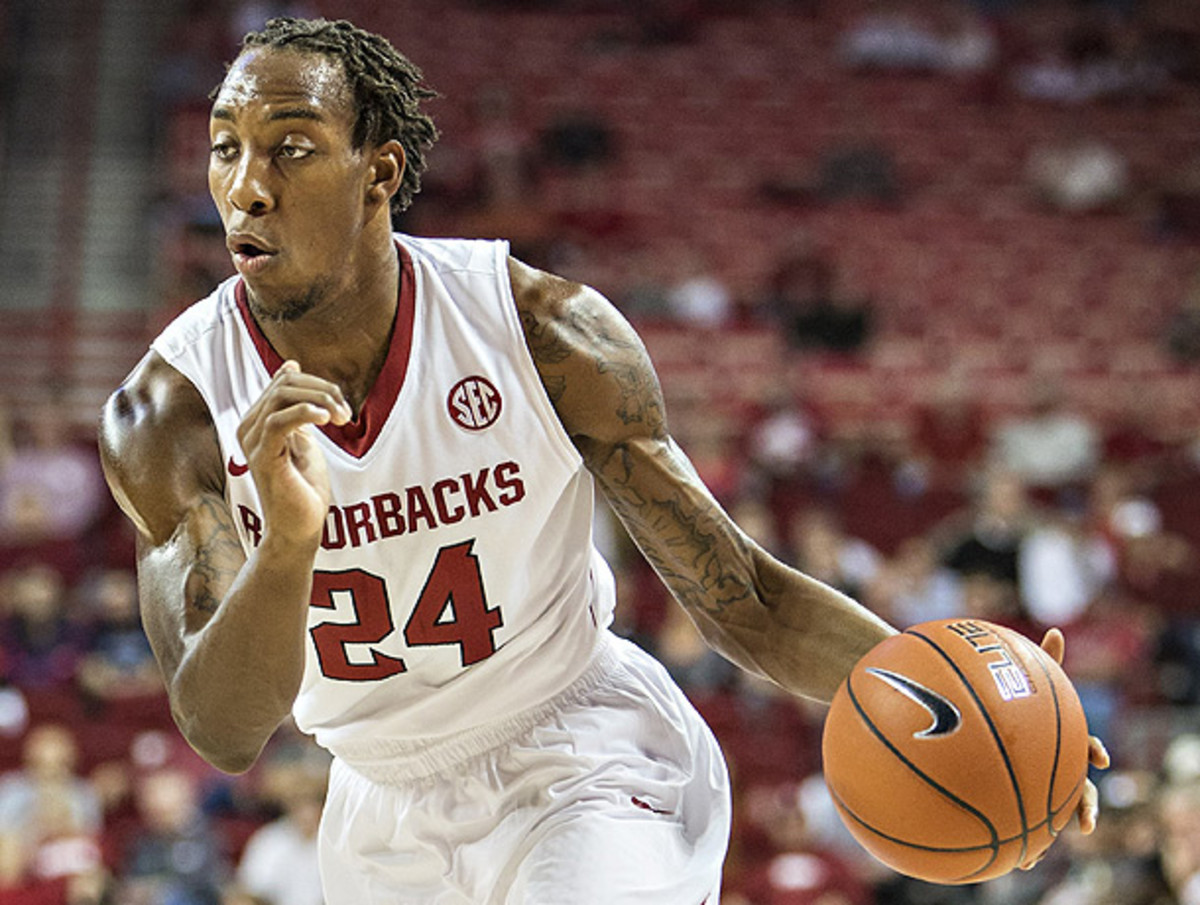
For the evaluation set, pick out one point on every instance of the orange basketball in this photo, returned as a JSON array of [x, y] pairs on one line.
[[956, 751]]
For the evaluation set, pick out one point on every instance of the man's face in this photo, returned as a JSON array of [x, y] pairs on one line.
[[290, 188]]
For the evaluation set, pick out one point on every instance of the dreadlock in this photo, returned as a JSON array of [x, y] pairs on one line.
[[388, 88]]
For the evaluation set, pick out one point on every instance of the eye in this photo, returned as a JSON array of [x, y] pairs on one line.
[[224, 150], [293, 152]]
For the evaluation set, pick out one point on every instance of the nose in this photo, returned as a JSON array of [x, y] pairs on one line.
[[249, 190]]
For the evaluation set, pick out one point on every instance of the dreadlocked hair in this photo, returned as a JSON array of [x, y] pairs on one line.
[[388, 88]]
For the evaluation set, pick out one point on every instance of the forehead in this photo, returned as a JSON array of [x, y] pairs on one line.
[[277, 79]]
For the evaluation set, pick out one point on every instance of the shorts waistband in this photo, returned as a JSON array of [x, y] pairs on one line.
[[402, 761]]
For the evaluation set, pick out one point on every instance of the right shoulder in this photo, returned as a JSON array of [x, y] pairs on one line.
[[159, 447]]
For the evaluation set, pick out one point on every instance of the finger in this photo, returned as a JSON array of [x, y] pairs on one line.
[[1054, 644], [317, 406], [1030, 865], [290, 374], [1089, 808], [1098, 754], [279, 425], [286, 395]]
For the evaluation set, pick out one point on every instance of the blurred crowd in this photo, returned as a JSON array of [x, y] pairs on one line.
[[1046, 516]]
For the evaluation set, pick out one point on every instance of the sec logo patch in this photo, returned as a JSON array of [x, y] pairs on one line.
[[474, 403]]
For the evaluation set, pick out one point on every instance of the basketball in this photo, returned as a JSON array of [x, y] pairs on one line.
[[956, 751]]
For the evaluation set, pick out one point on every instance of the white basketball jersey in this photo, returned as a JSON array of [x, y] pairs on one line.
[[456, 582]]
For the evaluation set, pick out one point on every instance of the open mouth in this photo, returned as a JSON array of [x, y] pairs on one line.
[[249, 257], [249, 250]]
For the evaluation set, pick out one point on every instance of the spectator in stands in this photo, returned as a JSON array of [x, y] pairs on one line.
[[821, 548], [1110, 658], [1182, 336], [1063, 566], [177, 856], [1179, 811], [577, 139], [50, 817], [1132, 523], [1080, 175], [949, 440], [803, 277], [914, 586], [1120, 865], [860, 169], [1092, 60], [797, 869], [695, 666], [279, 863], [117, 661], [783, 447], [501, 176], [813, 303], [982, 543], [1051, 448], [893, 38], [51, 487], [39, 643], [696, 295]]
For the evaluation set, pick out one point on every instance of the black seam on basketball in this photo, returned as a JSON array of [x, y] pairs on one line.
[[958, 850], [1057, 734], [966, 806], [1008, 765]]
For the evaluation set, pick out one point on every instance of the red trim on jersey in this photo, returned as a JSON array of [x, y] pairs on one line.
[[646, 806], [356, 437]]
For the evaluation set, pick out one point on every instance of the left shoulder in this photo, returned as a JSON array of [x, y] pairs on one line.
[[592, 363], [463, 256]]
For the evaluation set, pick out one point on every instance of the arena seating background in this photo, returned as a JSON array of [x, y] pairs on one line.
[[720, 116]]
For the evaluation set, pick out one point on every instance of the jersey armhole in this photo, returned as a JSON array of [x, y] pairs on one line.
[[526, 366]]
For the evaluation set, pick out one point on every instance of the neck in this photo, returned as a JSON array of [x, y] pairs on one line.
[[345, 338]]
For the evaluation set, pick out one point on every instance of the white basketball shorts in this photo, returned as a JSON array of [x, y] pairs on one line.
[[614, 792]]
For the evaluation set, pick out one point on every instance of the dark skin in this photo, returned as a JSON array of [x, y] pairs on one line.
[[230, 630]]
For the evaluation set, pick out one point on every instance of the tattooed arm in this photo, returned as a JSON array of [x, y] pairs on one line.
[[228, 631], [761, 614]]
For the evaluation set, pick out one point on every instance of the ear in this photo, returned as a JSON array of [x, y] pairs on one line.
[[385, 173]]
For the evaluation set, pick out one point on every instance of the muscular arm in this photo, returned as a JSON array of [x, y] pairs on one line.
[[764, 616], [228, 632]]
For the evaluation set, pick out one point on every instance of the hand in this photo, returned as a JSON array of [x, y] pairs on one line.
[[1054, 644], [1088, 809], [287, 465]]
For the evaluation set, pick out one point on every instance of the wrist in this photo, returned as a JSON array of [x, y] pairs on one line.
[[281, 550]]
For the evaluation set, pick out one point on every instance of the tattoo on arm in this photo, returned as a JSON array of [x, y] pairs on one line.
[[640, 398], [598, 375], [680, 534], [616, 358], [547, 349], [218, 556]]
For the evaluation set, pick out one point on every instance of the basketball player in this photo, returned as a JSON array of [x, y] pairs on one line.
[[362, 477]]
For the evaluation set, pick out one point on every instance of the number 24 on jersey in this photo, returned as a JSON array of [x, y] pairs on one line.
[[451, 610]]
